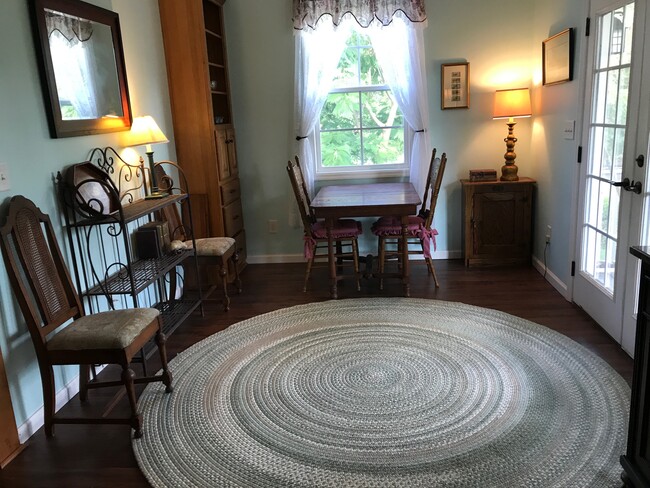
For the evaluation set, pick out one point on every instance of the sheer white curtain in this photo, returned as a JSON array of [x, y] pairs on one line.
[[396, 33], [399, 48], [74, 74], [317, 56]]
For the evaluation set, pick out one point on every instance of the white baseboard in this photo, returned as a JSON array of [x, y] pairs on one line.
[[556, 282], [36, 421], [299, 258]]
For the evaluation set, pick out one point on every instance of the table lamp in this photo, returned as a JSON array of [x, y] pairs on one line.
[[510, 104], [145, 131]]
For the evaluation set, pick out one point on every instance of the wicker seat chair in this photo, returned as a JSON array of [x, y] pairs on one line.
[[62, 334], [389, 229]]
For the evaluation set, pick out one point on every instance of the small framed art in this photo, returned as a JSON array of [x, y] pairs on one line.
[[557, 58], [454, 84]]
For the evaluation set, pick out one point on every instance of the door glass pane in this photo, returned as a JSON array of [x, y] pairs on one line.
[[606, 148]]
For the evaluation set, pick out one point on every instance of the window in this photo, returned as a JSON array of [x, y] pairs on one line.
[[361, 125]]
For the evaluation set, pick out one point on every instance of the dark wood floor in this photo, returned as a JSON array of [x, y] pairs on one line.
[[101, 456]]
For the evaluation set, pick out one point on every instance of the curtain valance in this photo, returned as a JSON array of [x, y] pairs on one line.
[[74, 29], [307, 13]]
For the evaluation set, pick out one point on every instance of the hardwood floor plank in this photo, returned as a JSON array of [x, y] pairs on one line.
[[101, 456]]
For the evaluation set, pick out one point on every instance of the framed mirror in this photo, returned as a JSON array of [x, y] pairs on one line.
[[79, 47]]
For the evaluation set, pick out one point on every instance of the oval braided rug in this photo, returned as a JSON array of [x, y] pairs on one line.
[[389, 392]]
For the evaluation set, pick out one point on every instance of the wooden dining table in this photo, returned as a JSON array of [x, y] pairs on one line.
[[367, 200]]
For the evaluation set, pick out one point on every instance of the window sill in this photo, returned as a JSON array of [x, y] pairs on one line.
[[362, 175]]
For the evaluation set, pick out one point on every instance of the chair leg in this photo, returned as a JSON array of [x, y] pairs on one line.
[[310, 262], [49, 405], [161, 340], [224, 281], [136, 419], [355, 256], [235, 261], [433, 272], [382, 258], [339, 259], [84, 376]]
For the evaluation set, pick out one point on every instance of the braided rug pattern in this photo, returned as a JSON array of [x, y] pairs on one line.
[[389, 392]]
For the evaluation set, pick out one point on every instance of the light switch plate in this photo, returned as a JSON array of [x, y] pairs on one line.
[[4, 177], [569, 129]]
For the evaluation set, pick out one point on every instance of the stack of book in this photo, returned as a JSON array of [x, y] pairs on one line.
[[482, 175]]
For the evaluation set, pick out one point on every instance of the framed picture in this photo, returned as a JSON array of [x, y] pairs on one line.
[[454, 84], [557, 58]]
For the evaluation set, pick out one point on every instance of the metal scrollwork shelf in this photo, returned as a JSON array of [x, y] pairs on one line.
[[104, 202]]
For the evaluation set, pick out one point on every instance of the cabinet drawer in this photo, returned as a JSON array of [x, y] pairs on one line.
[[230, 192], [233, 220]]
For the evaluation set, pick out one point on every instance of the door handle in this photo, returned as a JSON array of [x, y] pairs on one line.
[[633, 186], [640, 160]]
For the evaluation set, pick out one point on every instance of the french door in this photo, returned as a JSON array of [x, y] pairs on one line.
[[613, 200]]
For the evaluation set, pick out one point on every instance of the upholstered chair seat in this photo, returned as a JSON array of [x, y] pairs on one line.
[[208, 246], [116, 329]]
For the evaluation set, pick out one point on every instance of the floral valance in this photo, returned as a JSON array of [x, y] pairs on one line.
[[307, 13], [74, 29]]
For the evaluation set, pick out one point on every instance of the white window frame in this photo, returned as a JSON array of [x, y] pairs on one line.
[[368, 171]]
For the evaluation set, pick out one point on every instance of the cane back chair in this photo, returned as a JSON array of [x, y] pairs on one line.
[[61, 333]]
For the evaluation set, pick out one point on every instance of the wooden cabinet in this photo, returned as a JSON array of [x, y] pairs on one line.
[[636, 461], [497, 226], [199, 88]]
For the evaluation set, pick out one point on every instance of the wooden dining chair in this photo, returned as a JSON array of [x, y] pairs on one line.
[[211, 251], [388, 229], [61, 333], [345, 232]]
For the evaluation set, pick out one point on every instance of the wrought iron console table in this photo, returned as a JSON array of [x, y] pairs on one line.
[[104, 203]]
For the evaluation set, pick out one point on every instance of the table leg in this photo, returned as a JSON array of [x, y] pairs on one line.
[[405, 257], [329, 224]]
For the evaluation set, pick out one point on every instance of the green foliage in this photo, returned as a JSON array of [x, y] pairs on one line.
[[362, 126]]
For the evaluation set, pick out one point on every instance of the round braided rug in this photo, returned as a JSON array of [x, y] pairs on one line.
[[389, 392]]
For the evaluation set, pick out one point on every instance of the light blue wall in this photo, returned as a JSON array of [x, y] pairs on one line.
[[501, 42], [502, 45], [555, 158], [33, 157]]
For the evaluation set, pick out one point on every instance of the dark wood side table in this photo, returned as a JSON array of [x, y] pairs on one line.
[[636, 462], [497, 226]]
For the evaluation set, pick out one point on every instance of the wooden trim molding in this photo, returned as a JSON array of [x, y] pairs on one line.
[[9, 442]]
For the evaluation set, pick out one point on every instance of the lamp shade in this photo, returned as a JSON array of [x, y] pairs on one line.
[[512, 103], [144, 130]]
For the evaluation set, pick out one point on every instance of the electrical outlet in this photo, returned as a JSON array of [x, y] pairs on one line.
[[4, 177], [273, 226], [548, 234]]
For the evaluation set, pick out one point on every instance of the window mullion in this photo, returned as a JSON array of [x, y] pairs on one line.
[[363, 156]]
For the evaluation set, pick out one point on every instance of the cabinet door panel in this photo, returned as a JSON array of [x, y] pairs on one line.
[[500, 223], [230, 192], [223, 165], [232, 150], [233, 219]]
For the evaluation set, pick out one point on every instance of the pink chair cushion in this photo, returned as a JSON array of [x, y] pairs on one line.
[[342, 228], [392, 227]]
